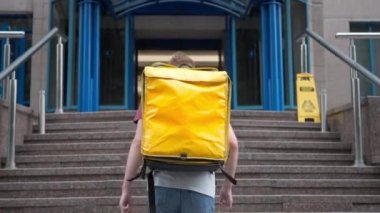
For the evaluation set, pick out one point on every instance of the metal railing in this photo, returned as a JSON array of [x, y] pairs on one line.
[[10, 70], [355, 91], [355, 82], [7, 56], [323, 98], [366, 73], [304, 52], [9, 93]]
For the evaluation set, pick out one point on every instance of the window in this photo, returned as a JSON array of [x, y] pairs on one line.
[[367, 53]]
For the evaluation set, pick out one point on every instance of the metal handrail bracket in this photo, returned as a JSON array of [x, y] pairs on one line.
[[357, 35], [12, 34]]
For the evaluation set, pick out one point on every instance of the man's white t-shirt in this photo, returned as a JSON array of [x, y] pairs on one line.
[[201, 182]]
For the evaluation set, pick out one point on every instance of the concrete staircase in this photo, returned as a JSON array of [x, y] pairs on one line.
[[284, 166]]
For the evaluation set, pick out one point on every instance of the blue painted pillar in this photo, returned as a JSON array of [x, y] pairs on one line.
[[231, 57], [129, 70], [70, 53], [272, 50], [20, 46], [88, 55]]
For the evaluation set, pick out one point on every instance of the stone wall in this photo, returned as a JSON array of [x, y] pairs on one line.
[[329, 17], [341, 120]]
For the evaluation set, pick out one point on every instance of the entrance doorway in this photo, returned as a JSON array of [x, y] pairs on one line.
[[158, 37], [249, 78]]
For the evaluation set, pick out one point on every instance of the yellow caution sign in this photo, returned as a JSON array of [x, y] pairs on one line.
[[307, 101]]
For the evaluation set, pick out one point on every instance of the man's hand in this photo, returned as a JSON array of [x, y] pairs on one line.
[[226, 196], [125, 200]]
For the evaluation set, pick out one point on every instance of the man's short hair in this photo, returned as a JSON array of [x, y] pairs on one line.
[[181, 59]]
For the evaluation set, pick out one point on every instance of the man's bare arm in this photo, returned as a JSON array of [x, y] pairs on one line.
[[230, 167], [133, 163]]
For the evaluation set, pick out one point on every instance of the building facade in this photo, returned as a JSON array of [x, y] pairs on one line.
[[257, 42]]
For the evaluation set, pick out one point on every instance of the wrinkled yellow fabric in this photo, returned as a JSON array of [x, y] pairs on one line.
[[185, 113]]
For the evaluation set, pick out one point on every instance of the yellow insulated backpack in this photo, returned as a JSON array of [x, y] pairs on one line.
[[185, 119]]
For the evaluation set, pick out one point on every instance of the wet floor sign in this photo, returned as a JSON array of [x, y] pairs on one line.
[[307, 101]]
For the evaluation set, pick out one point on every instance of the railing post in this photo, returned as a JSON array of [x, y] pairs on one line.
[[304, 64], [356, 107], [11, 95], [324, 110], [41, 120], [11, 164], [6, 62], [59, 77]]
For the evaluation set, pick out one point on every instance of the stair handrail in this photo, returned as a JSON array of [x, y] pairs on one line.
[[350, 62], [355, 91], [8, 35], [31, 51], [355, 81], [11, 69]]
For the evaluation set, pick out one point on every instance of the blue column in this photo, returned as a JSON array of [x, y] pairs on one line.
[[231, 58], [289, 41], [71, 54], [272, 47], [88, 56], [20, 46], [129, 70]]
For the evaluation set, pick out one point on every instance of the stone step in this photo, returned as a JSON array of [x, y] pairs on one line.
[[242, 203], [79, 137], [247, 171], [127, 135], [102, 116], [95, 126], [244, 187], [271, 135], [238, 124], [295, 147], [96, 160], [122, 147], [249, 124], [127, 115]]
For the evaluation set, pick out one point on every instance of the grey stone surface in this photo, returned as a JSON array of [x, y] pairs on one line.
[[121, 147], [15, 6], [328, 18], [39, 60], [341, 119]]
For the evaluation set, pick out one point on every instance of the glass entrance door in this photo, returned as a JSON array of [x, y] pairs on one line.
[[248, 63], [112, 63]]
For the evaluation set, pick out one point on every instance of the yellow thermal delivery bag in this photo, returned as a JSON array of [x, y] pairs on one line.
[[185, 118]]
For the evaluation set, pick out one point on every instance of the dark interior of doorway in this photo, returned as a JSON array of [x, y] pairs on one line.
[[172, 45]]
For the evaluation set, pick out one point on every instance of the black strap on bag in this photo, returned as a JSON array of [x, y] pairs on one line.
[[228, 176], [151, 197], [141, 174]]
